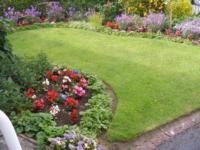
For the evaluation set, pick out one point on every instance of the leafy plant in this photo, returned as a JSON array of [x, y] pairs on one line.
[[98, 114], [37, 125], [143, 7], [96, 19], [155, 22], [124, 21], [179, 8]]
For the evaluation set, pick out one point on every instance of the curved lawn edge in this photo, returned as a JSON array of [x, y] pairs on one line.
[[152, 139], [105, 30]]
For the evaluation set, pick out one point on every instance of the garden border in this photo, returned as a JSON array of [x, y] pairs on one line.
[[105, 30]]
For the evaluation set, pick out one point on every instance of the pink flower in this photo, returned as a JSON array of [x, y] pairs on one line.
[[83, 82], [79, 91]]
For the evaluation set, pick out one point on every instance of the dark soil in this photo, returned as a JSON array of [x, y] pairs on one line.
[[63, 117]]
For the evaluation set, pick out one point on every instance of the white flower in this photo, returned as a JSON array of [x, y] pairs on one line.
[[46, 82], [66, 78], [33, 97], [54, 110]]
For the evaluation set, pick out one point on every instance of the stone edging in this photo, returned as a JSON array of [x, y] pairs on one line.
[[152, 139]]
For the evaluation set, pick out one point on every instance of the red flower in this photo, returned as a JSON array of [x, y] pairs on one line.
[[129, 29], [52, 95], [49, 74], [140, 29], [168, 32], [178, 33], [71, 102], [109, 24], [54, 78], [39, 104], [29, 93], [74, 116], [61, 73]]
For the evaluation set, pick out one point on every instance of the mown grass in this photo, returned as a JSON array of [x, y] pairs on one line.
[[155, 80]]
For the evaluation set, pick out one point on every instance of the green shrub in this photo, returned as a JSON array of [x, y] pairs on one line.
[[96, 19], [111, 10], [143, 7], [98, 115], [180, 8], [15, 77], [37, 125]]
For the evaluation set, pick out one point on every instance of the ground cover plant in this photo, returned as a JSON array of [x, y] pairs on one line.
[[165, 73]]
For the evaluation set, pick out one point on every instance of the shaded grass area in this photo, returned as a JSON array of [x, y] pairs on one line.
[[155, 80]]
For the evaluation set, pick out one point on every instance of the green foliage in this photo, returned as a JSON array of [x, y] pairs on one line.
[[5, 50], [96, 19], [180, 8], [11, 97], [18, 4], [17, 76], [98, 114], [31, 71], [143, 7], [96, 86], [37, 125], [111, 10]]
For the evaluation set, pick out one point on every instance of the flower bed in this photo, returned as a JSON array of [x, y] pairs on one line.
[[64, 94], [55, 101]]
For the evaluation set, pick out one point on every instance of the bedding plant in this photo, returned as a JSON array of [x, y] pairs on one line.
[[65, 98]]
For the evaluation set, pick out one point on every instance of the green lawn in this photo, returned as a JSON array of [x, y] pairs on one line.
[[155, 80]]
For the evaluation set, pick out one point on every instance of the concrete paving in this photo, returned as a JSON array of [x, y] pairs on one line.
[[188, 140]]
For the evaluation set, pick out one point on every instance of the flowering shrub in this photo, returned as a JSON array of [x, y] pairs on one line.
[[154, 22], [124, 21], [143, 7], [74, 141], [11, 14], [55, 11], [74, 14], [32, 12], [190, 28]]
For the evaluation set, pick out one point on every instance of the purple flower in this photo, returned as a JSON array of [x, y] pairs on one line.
[[154, 22], [33, 12], [189, 26], [55, 10], [99, 147], [63, 96], [80, 145], [124, 21], [11, 14], [69, 136]]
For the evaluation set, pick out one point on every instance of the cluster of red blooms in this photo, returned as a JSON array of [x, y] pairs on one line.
[[52, 95], [112, 25], [72, 104], [58, 84], [39, 104], [169, 32], [29, 93]]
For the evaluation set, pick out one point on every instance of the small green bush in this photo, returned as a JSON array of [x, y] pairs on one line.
[[180, 8], [96, 19], [37, 125]]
